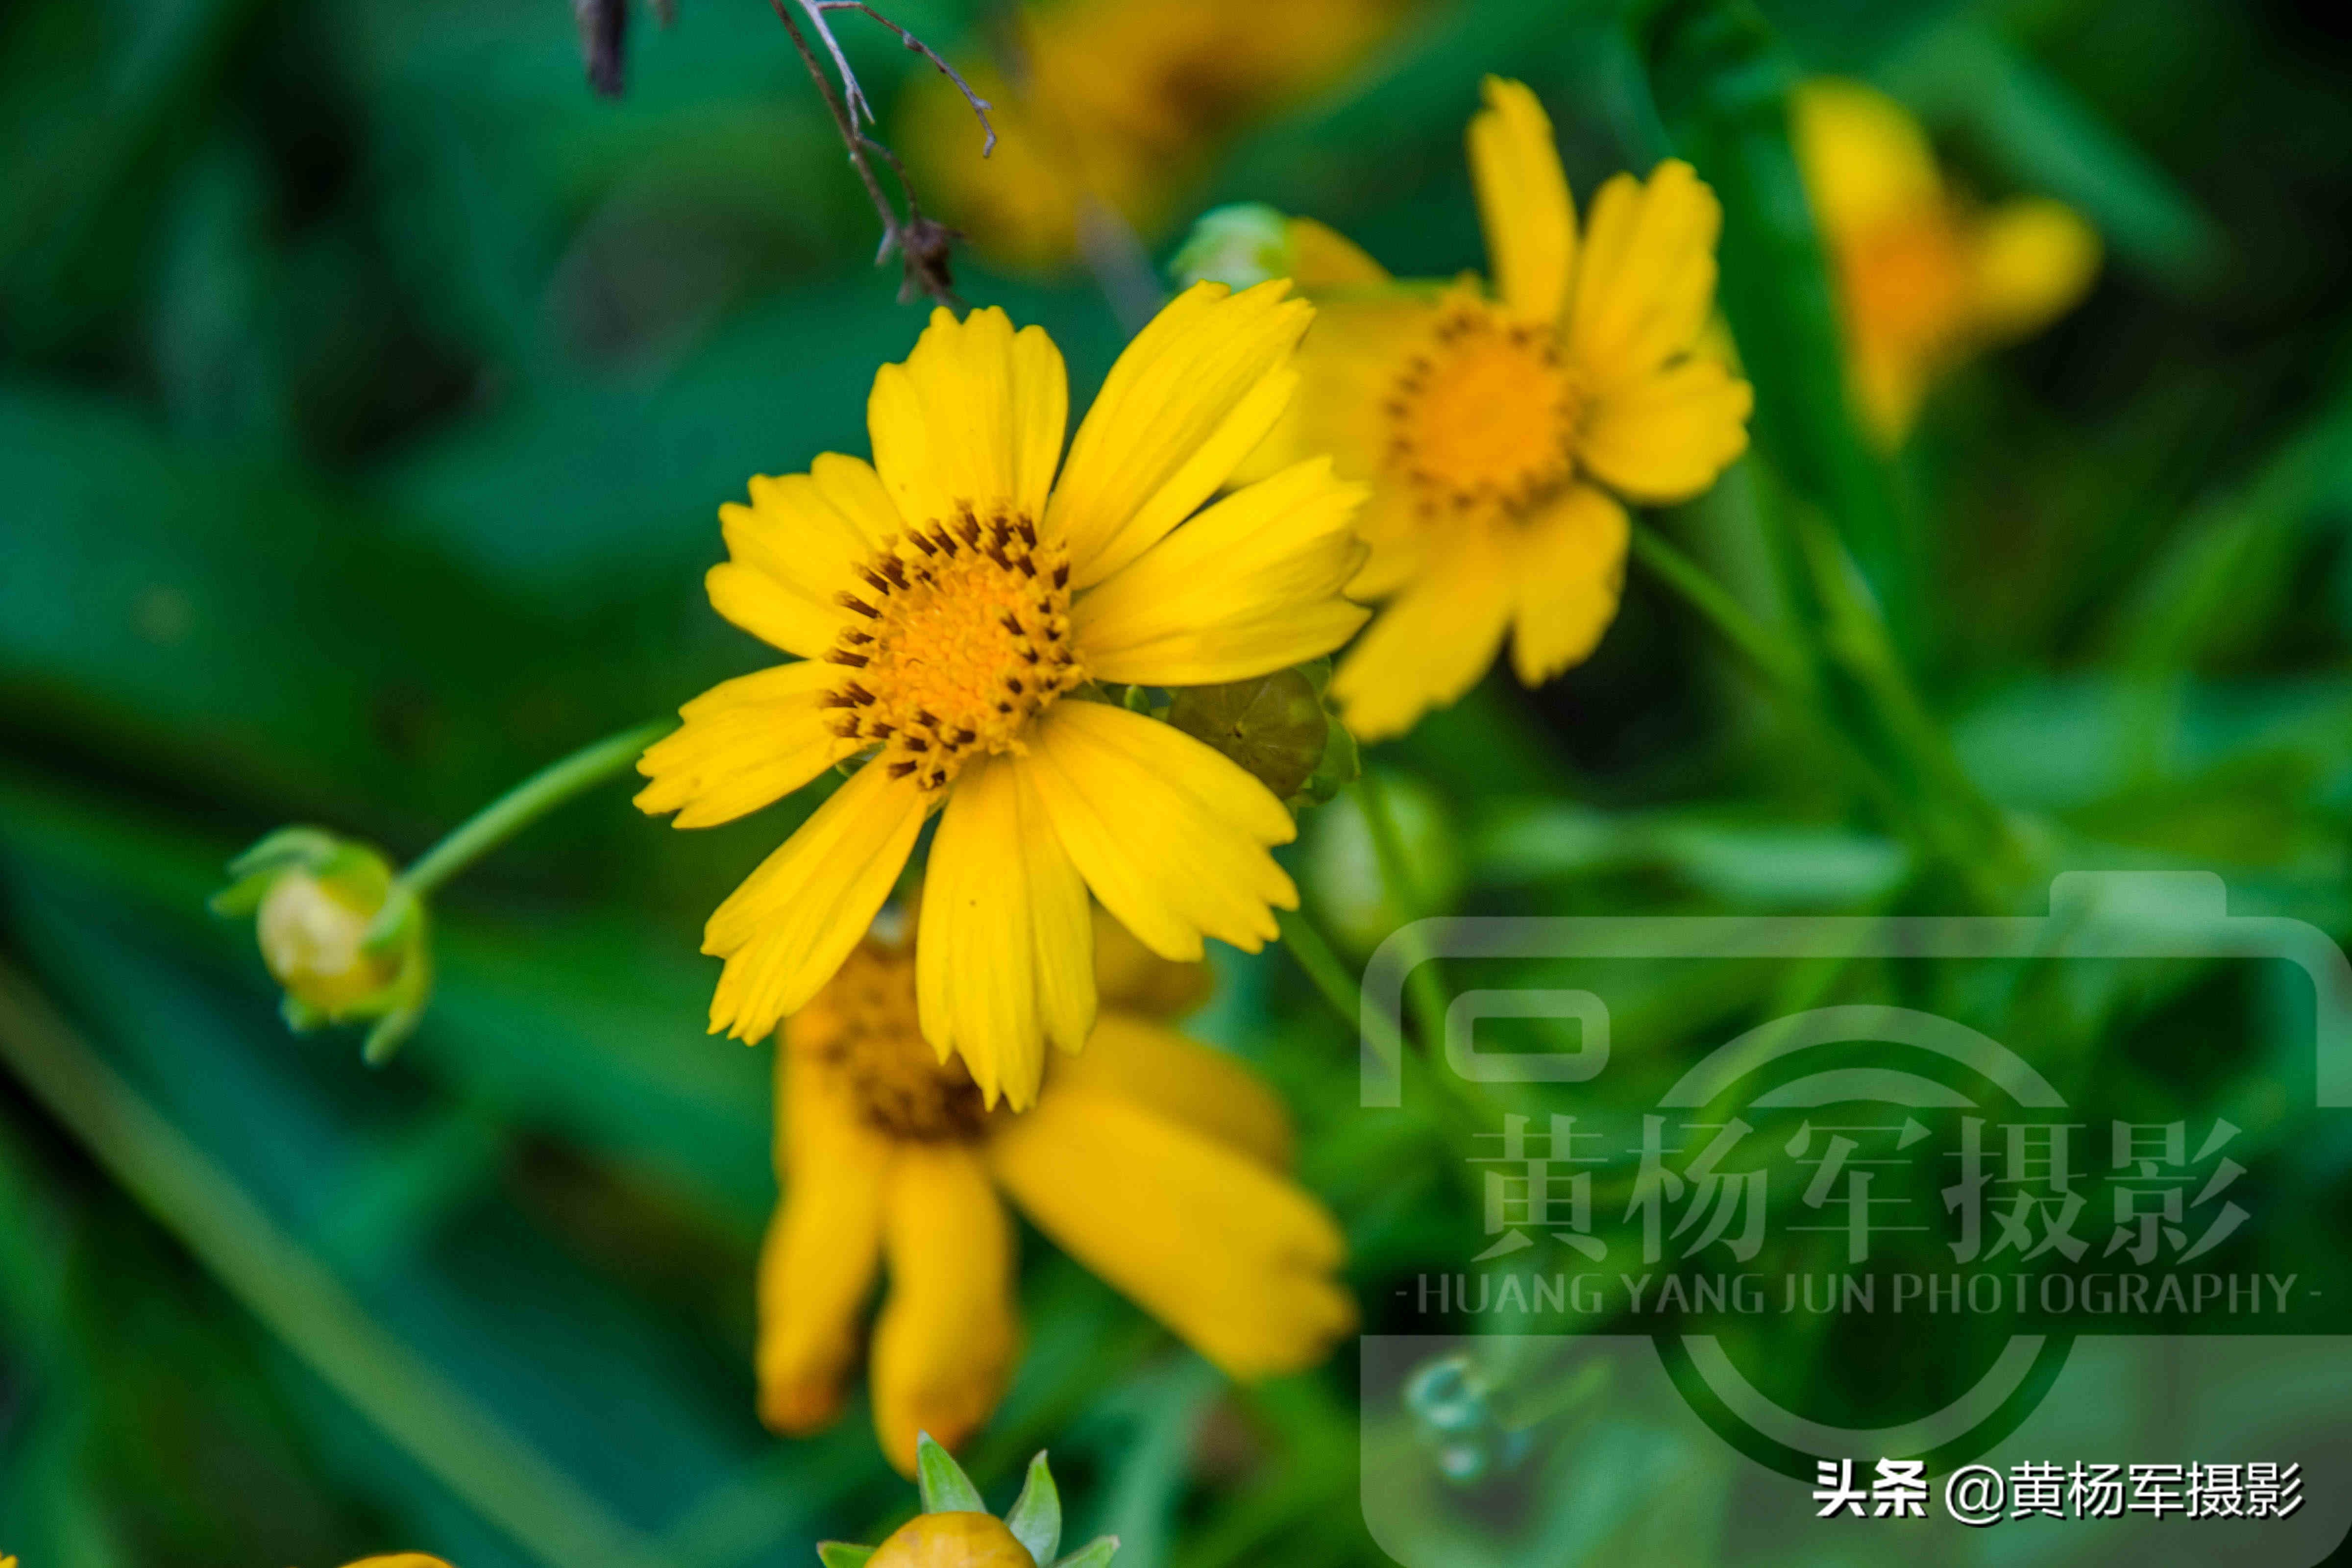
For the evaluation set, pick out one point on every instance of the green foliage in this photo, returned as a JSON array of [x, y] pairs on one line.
[[367, 391]]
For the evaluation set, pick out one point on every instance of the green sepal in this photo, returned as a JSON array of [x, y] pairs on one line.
[[1095, 1553], [945, 1488], [299, 1015], [1037, 1517], [843, 1555], [1275, 727]]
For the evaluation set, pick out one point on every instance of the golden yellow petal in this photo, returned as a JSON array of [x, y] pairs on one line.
[[1865, 160], [1349, 364], [1171, 835], [822, 1249], [1571, 571], [1149, 1064], [791, 551], [1251, 585], [945, 1341], [2031, 261], [1198, 389], [1646, 281], [974, 417], [1004, 957], [1664, 437], [1523, 200], [1430, 643], [786, 930], [1132, 977], [397, 1560], [746, 744], [1322, 258], [1236, 1260]]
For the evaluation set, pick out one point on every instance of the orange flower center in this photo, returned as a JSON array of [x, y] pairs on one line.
[[1904, 285], [965, 638], [866, 1027], [1484, 416]]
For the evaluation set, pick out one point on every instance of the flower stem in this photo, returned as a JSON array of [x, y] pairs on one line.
[[526, 803], [1752, 639], [1425, 988]]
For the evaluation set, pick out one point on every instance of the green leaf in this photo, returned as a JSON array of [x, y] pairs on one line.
[[843, 1555], [945, 1488], [1037, 1517], [1095, 1553]]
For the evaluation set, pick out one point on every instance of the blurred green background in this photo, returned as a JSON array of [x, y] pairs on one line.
[[367, 390]]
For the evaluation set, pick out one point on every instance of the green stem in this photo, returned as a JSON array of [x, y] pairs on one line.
[[1771, 655], [528, 802], [498, 1474], [1424, 987]]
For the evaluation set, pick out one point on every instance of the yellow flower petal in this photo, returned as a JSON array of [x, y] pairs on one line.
[[746, 744], [1171, 835], [786, 930], [2033, 259], [1347, 364], [1323, 257], [398, 1559], [1132, 977], [1232, 1258], [1865, 160], [1523, 201], [822, 1249], [944, 1346], [1571, 570], [1191, 395], [1004, 959], [1131, 1057], [974, 417], [1430, 643], [791, 551], [1665, 437], [1646, 280], [1251, 585]]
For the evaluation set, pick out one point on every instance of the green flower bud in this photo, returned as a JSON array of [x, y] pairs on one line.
[[1241, 246], [1279, 727], [337, 931], [955, 1528]]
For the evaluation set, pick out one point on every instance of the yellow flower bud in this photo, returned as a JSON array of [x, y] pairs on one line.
[[311, 933], [337, 931], [952, 1540]]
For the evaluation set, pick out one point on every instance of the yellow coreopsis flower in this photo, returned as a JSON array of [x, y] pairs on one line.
[[1923, 280], [950, 604], [1157, 1161], [1121, 102], [1502, 432]]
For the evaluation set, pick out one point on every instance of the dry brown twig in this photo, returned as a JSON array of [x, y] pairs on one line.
[[922, 243]]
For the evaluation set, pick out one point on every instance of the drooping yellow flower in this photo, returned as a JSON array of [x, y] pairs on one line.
[[1502, 431], [1156, 1161], [949, 604], [1924, 280], [1121, 102]]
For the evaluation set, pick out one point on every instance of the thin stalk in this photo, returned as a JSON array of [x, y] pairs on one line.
[[525, 804], [1425, 988], [461, 1444], [1750, 638]]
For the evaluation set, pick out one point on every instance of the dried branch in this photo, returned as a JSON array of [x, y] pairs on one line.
[[979, 106], [922, 243], [604, 33]]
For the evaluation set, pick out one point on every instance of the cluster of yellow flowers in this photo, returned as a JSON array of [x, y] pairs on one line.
[[983, 630]]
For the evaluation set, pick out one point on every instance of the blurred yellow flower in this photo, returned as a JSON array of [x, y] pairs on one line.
[[1500, 431], [397, 1560], [949, 604], [1121, 102], [1155, 1161], [1922, 279]]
